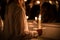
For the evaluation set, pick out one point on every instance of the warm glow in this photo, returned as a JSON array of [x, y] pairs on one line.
[[27, 17], [35, 28], [25, 0], [50, 2], [34, 33], [39, 22], [38, 2], [2, 24], [56, 2], [35, 18], [26, 30], [30, 23], [39, 17]]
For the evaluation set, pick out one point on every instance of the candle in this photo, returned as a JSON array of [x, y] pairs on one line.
[[39, 22]]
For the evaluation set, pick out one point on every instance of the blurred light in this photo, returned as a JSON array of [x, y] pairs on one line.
[[38, 2], [39, 17], [56, 2], [33, 33], [34, 22], [25, 0], [44, 28], [30, 23], [39, 22], [31, 5], [27, 17], [2, 24], [26, 24], [27, 32], [35, 18], [34, 39], [50, 2], [35, 28]]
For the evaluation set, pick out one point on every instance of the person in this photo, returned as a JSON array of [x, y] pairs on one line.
[[47, 13], [15, 19]]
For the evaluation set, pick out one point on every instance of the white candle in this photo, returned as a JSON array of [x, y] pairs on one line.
[[39, 22], [50, 2]]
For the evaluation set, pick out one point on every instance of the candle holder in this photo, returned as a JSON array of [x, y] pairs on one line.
[[39, 30]]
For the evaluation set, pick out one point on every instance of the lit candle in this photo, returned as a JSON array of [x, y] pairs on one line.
[[25, 0], [56, 2], [35, 18], [39, 22], [38, 2], [27, 17], [50, 2]]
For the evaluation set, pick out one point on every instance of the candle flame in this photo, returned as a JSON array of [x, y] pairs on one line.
[[39, 17], [38, 2], [35, 18], [27, 17], [50, 2], [25, 0], [56, 2]]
